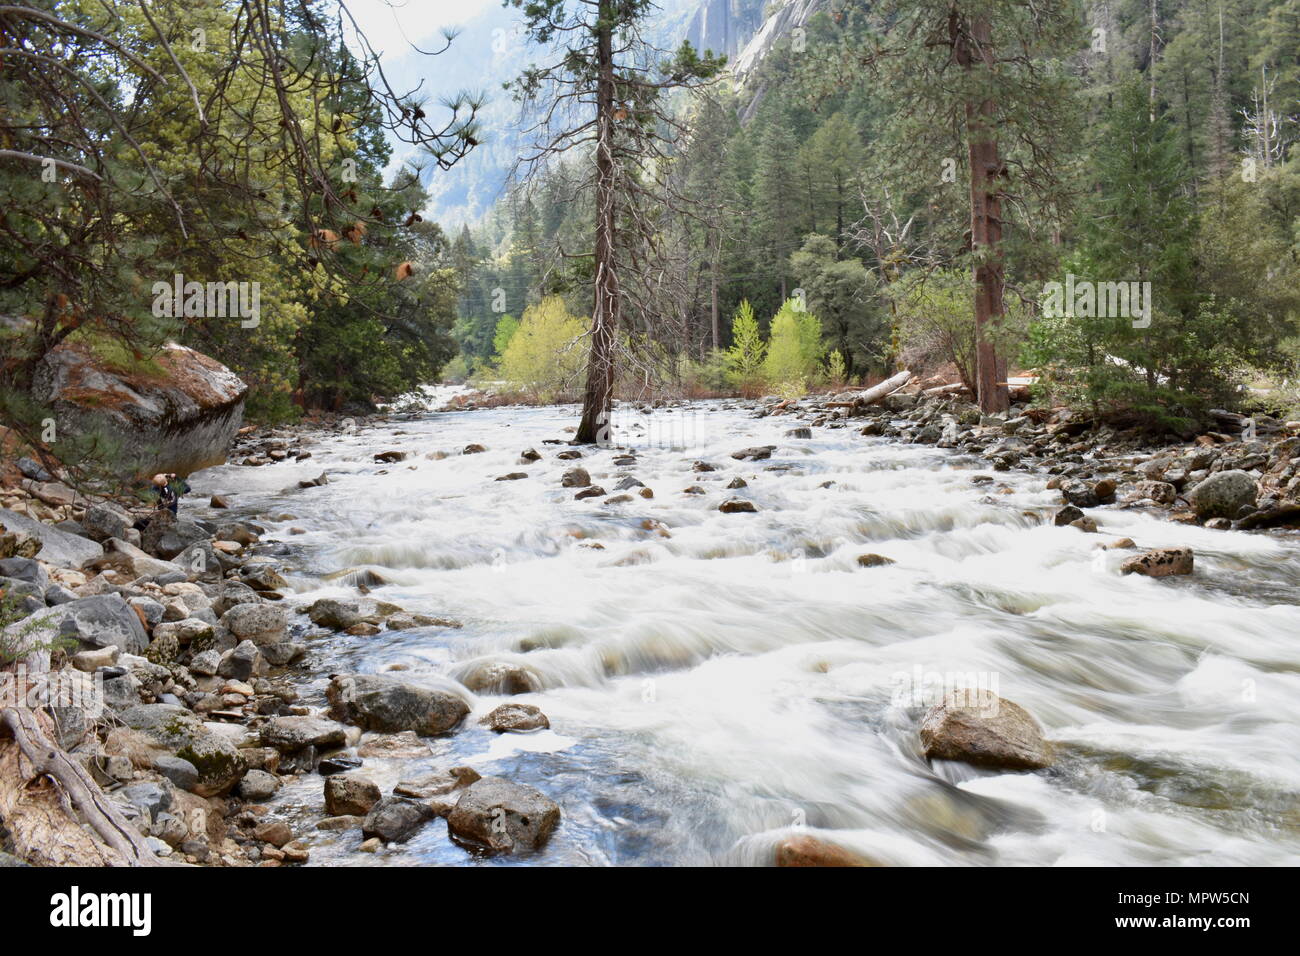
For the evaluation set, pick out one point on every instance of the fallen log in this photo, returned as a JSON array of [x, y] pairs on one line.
[[953, 389], [45, 795], [38, 781], [876, 392]]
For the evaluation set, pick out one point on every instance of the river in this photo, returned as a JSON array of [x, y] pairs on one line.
[[715, 682]]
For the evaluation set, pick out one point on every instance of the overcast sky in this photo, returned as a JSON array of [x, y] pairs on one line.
[[392, 26]]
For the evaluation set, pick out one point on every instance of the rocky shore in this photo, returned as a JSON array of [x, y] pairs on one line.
[[193, 640]]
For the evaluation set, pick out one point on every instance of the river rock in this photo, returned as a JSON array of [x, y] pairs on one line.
[[133, 563], [1161, 492], [219, 765], [516, 718], [1223, 495], [1079, 493], [98, 621], [375, 702], [56, 547], [575, 478], [503, 817], [25, 569], [756, 453], [1160, 563], [262, 577], [979, 727], [104, 521], [1066, 516], [166, 535], [395, 819], [350, 794], [259, 623], [242, 662], [339, 615], [737, 506], [292, 734], [441, 782], [498, 677], [258, 785], [179, 415], [180, 772]]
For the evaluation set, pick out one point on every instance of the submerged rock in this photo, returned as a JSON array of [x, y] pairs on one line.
[[813, 851]]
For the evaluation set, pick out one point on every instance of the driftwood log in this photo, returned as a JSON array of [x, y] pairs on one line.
[[52, 809]]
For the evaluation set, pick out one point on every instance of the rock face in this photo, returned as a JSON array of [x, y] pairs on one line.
[[177, 415], [1161, 563], [979, 727], [1223, 495], [503, 817], [374, 702]]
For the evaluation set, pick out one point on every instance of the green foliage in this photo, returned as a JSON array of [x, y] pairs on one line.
[[545, 355], [795, 349], [1167, 366], [507, 326], [844, 295], [744, 360]]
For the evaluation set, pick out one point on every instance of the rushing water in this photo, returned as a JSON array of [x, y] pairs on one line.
[[715, 681]]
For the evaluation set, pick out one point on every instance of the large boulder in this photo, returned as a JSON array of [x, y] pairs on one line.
[[292, 734], [502, 817], [58, 548], [375, 702], [1224, 495], [179, 733], [178, 413], [166, 536], [101, 621], [104, 521], [979, 727], [134, 563]]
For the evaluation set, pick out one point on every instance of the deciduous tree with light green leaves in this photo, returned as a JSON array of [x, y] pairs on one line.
[[745, 357], [547, 351]]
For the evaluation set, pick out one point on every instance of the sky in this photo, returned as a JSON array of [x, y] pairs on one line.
[[392, 26]]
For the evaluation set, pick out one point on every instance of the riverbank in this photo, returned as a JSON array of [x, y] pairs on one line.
[[310, 745]]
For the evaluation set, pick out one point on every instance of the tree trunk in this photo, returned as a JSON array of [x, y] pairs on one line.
[[986, 221], [713, 293], [597, 400]]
